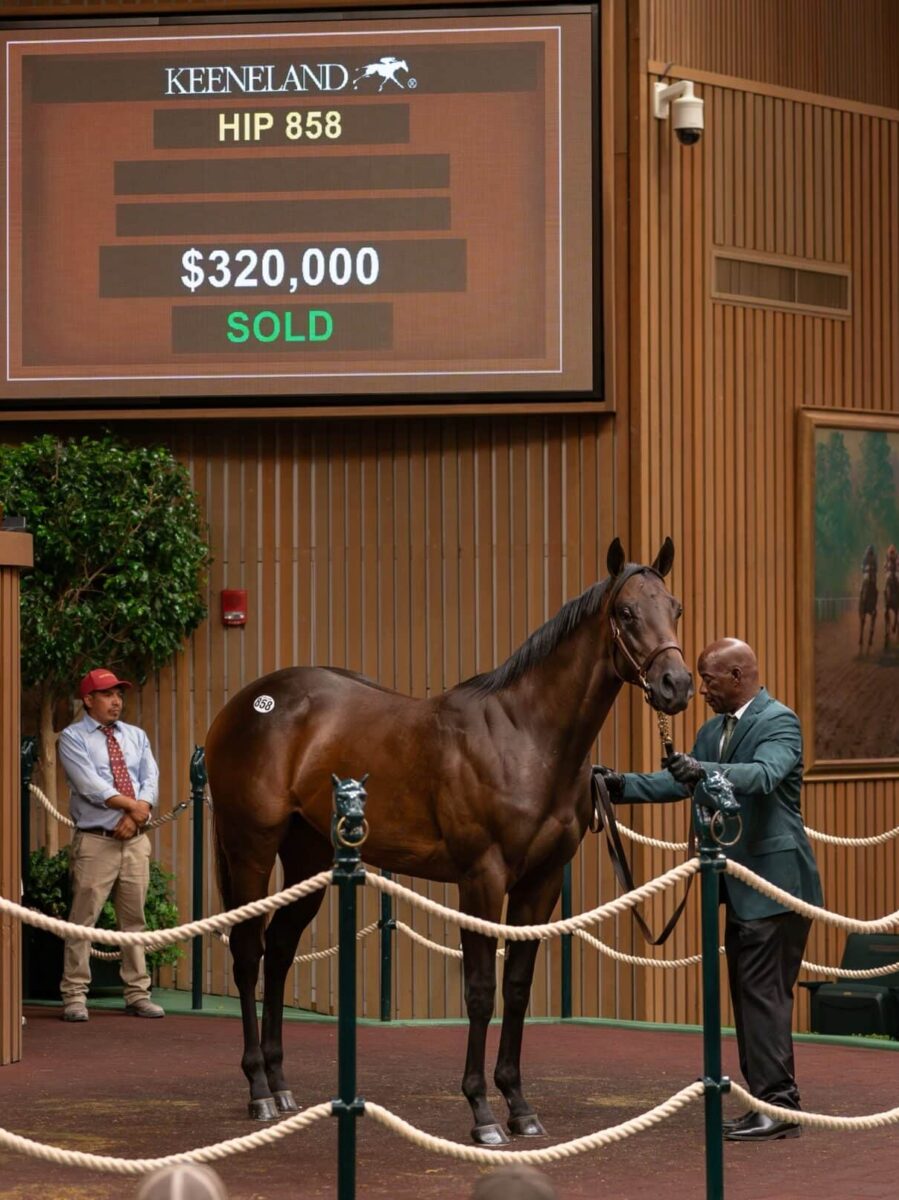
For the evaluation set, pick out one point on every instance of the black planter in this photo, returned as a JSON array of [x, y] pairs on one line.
[[43, 968]]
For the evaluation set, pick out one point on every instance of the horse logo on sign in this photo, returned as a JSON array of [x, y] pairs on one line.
[[386, 68]]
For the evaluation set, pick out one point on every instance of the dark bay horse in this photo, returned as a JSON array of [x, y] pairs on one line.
[[485, 786]]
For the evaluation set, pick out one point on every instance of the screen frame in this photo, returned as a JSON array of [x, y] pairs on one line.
[[412, 403]]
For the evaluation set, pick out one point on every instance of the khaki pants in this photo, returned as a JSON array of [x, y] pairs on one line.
[[99, 866]]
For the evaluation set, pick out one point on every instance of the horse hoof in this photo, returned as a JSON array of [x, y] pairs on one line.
[[489, 1135], [285, 1102], [527, 1126], [263, 1110]]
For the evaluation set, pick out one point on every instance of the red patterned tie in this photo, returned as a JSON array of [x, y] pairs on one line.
[[120, 776]]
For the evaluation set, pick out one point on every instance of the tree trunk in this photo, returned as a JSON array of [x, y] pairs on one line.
[[46, 780]]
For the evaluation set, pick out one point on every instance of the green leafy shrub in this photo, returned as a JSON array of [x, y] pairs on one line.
[[49, 891]]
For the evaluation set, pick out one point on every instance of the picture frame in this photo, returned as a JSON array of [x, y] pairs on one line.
[[848, 557]]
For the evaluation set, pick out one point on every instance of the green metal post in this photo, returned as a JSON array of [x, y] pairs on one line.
[[566, 942], [198, 798], [348, 832], [386, 925], [711, 864]]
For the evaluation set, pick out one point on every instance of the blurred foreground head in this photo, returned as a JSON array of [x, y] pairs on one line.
[[187, 1182], [514, 1183]]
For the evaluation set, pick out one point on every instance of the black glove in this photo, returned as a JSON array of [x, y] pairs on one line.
[[685, 769], [613, 781]]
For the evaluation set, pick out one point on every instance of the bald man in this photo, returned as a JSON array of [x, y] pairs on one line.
[[757, 743]]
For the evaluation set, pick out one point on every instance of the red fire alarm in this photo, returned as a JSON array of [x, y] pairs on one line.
[[234, 606]]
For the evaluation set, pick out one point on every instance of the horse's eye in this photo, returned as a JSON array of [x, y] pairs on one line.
[[679, 613], [627, 614]]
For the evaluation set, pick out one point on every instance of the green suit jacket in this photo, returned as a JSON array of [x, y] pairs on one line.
[[764, 763]]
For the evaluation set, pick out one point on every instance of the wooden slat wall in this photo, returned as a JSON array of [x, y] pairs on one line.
[[417, 552], [844, 48], [720, 389]]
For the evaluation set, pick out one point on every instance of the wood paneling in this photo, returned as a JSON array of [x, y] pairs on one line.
[[840, 48], [716, 422], [15, 555]]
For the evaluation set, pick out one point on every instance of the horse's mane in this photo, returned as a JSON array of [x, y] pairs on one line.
[[541, 643]]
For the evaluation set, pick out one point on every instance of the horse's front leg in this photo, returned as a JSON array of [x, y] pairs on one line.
[[531, 902], [481, 898]]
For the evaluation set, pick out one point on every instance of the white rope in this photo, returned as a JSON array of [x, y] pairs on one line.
[[853, 924], [877, 839], [831, 839], [635, 960], [648, 841], [63, 820], [531, 933], [141, 1166], [817, 1120], [593, 1141], [318, 955], [157, 938]]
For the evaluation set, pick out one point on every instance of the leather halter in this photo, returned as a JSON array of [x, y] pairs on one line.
[[639, 669]]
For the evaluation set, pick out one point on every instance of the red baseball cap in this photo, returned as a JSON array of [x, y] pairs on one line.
[[99, 680]]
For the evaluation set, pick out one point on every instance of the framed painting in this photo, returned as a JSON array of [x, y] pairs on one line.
[[849, 592]]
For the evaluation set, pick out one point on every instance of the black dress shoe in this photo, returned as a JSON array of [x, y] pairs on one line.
[[759, 1128], [736, 1122]]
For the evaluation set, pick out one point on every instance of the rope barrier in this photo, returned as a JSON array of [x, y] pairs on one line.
[[157, 938], [831, 839], [816, 1120], [427, 1141], [141, 1166], [853, 924], [548, 1154], [63, 820], [533, 933]]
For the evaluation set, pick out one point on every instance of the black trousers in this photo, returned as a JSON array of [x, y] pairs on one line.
[[763, 961]]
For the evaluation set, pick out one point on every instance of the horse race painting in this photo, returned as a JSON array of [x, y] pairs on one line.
[[850, 466]]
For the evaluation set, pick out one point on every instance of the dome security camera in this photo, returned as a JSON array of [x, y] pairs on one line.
[[686, 110]]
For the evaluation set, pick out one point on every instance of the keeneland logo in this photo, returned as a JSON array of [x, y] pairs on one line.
[[385, 69], [268, 79]]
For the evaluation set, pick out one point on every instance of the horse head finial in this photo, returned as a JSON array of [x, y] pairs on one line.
[[349, 824]]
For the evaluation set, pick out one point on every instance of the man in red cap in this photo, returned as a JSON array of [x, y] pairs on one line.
[[114, 784]]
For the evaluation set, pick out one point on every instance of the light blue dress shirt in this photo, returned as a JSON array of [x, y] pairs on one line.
[[84, 754]]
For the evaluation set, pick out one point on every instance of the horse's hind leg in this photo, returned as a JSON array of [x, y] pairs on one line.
[[303, 853], [531, 902]]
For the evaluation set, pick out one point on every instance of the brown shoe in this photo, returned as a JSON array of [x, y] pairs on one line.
[[76, 1011], [144, 1008]]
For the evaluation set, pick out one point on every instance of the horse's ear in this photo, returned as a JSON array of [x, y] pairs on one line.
[[616, 557], [664, 560], [335, 780], [363, 779]]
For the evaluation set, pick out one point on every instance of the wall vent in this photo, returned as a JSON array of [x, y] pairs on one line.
[[768, 281]]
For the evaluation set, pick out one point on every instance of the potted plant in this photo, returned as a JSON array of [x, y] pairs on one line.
[[48, 890]]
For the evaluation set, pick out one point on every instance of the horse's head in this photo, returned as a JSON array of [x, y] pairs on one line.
[[643, 617], [349, 821]]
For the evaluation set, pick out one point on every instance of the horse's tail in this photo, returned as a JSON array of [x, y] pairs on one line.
[[222, 870]]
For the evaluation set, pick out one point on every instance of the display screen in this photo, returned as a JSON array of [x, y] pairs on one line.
[[398, 207]]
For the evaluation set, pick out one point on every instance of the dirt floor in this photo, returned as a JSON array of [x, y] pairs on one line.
[[851, 718], [147, 1088]]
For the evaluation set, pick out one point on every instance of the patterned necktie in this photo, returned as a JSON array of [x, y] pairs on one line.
[[120, 776], [730, 724]]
